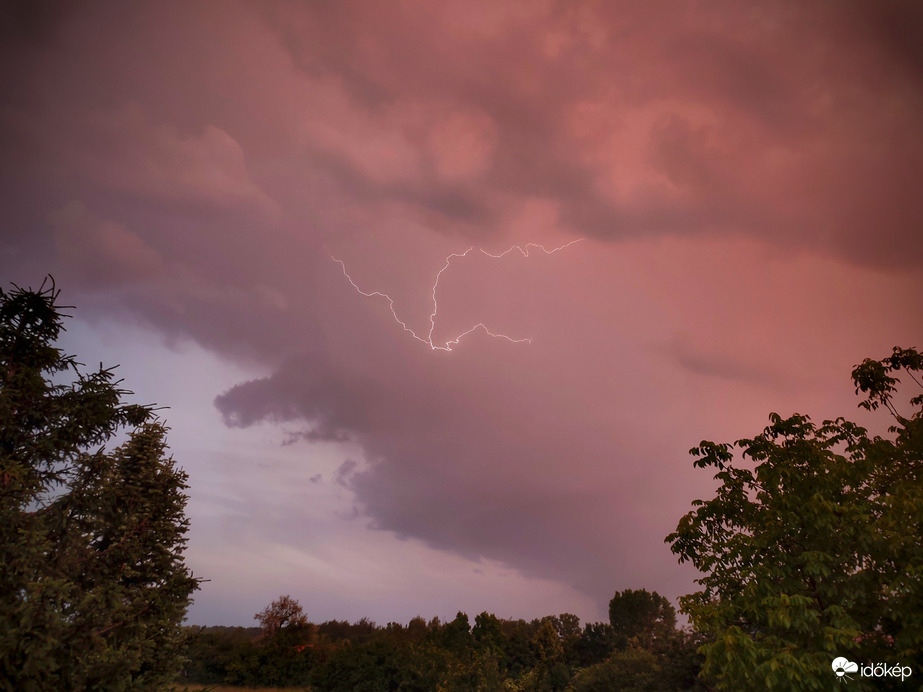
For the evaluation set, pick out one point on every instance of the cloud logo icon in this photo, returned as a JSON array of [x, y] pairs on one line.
[[842, 666]]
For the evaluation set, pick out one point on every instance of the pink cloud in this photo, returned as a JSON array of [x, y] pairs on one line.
[[744, 177], [463, 145], [101, 253], [130, 154]]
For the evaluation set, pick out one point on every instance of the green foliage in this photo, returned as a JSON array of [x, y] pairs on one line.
[[497, 655], [260, 666], [546, 644], [93, 585], [640, 615], [811, 548], [567, 625], [382, 665], [456, 635], [487, 632], [679, 661], [518, 653], [630, 670], [214, 651], [595, 644]]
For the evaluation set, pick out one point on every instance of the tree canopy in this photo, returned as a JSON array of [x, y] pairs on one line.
[[811, 547], [283, 612], [541, 655], [93, 585], [641, 615]]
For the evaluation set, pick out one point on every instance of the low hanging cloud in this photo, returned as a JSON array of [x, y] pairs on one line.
[[472, 462]]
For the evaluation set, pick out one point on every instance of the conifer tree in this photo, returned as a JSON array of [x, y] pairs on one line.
[[93, 585]]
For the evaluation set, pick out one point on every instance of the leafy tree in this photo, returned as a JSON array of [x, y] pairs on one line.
[[283, 654], [642, 615], [811, 548], [550, 672], [595, 644], [630, 670], [456, 635], [334, 630], [567, 625], [93, 586], [546, 644], [519, 654], [679, 661], [283, 613], [381, 665], [213, 652], [487, 633], [416, 629]]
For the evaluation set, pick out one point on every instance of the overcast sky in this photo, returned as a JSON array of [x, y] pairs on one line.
[[745, 178]]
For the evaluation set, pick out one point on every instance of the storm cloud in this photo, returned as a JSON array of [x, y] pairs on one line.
[[745, 179]]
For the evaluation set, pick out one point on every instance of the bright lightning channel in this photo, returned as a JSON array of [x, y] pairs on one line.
[[428, 339]]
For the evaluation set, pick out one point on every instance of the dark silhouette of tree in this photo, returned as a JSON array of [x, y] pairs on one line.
[[456, 635], [487, 632], [497, 654], [630, 670], [93, 586], [595, 644], [642, 615]]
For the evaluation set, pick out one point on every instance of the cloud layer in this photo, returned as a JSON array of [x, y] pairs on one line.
[[745, 179]]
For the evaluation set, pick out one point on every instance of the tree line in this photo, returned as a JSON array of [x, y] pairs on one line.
[[640, 648], [809, 553]]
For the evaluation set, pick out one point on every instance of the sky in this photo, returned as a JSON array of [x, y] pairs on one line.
[[254, 206]]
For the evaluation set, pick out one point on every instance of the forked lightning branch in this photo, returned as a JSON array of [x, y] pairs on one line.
[[450, 343]]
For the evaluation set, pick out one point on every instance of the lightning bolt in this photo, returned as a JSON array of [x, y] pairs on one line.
[[428, 339]]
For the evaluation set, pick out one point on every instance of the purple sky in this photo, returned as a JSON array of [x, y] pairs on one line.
[[745, 178]]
